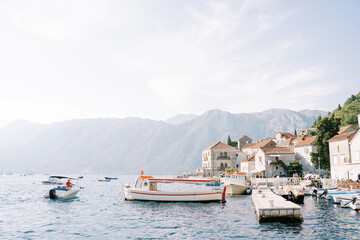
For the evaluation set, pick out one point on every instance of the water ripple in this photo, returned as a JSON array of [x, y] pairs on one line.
[[100, 212]]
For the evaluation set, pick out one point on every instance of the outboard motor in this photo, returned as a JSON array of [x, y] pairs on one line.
[[291, 196], [315, 192], [323, 194], [52, 194]]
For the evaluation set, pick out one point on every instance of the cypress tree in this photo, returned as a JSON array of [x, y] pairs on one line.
[[229, 140]]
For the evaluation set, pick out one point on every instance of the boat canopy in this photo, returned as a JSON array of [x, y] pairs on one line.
[[235, 173], [62, 177]]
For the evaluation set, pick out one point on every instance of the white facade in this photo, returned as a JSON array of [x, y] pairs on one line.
[[303, 155], [339, 157], [264, 161], [248, 166]]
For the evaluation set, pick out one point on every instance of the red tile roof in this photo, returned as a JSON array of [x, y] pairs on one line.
[[219, 145], [277, 150], [288, 142], [346, 128], [286, 135], [307, 140], [250, 159], [343, 136], [265, 143]]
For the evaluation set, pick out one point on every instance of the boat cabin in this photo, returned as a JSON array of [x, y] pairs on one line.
[[144, 183]]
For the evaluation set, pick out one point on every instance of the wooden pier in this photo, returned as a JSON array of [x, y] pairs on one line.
[[270, 207]]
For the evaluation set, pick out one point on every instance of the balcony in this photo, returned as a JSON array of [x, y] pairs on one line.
[[223, 158]]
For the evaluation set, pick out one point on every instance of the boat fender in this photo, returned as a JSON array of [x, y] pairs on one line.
[[248, 191], [52, 194], [223, 195]]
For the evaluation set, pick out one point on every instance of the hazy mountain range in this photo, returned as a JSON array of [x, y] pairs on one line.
[[126, 146]]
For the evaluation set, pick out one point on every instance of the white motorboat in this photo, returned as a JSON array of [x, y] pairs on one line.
[[235, 182], [63, 192], [104, 180], [145, 188], [53, 180]]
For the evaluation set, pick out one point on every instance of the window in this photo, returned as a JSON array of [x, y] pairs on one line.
[[357, 156], [277, 168], [342, 158], [222, 166], [225, 154], [237, 155], [335, 159], [225, 165], [338, 148], [221, 154]]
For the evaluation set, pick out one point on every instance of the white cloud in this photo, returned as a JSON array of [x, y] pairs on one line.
[[134, 58]]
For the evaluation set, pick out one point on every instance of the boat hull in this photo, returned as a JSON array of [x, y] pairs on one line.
[[162, 196], [62, 193], [299, 199], [234, 189]]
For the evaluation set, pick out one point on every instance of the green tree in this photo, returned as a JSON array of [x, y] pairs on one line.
[[295, 133], [317, 119], [229, 140], [295, 167], [231, 143], [326, 128]]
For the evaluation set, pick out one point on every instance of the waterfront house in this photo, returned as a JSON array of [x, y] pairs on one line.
[[243, 141], [251, 148], [248, 165], [303, 150], [340, 155], [218, 157], [267, 161], [345, 153]]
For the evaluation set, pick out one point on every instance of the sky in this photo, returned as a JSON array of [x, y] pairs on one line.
[[62, 60]]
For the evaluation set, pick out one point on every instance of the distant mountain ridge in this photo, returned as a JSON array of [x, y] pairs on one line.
[[127, 146]]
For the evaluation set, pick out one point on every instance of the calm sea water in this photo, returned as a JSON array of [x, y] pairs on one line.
[[100, 212]]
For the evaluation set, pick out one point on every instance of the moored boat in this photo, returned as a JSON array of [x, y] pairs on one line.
[[104, 180], [290, 194], [235, 182], [111, 178], [145, 188], [63, 192]]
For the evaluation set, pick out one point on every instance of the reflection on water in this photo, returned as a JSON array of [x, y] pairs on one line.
[[100, 212]]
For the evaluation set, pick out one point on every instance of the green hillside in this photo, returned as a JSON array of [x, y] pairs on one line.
[[348, 113]]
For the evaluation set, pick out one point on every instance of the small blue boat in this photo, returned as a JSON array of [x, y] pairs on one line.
[[213, 184], [111, 178]]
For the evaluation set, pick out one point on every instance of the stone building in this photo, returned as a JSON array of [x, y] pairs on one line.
[[243, 141], [218, 157]]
